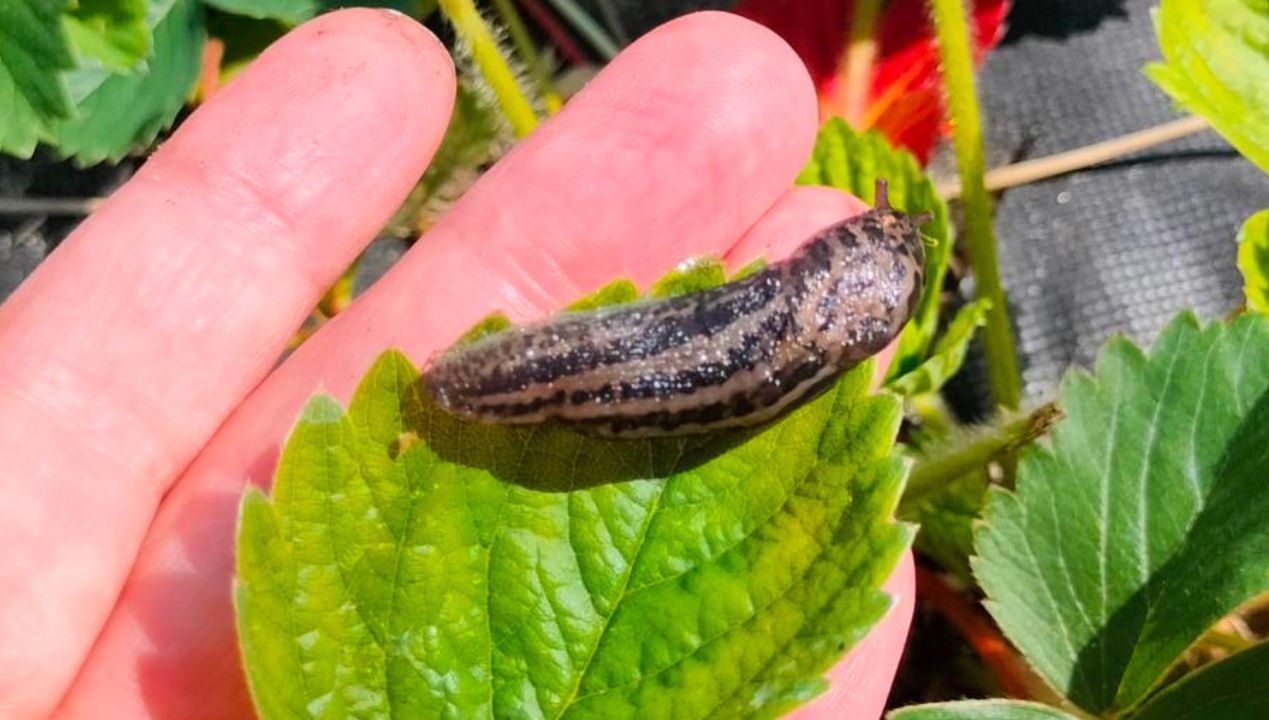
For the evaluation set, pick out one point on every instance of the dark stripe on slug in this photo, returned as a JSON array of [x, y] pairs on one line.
[[753, 349], [739, 405], [527, 407], [678, 322]]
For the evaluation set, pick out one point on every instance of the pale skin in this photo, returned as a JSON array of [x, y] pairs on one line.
[[138, 387]]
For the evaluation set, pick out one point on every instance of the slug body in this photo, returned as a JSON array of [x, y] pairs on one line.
[[736, 355]]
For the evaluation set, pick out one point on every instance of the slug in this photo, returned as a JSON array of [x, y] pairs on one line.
[[736, 355]]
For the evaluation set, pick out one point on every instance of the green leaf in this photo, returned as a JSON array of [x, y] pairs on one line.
[[116, 113], [113, 32], [291, 12], [690, 277], [294, 12], [980, 710], [1253, 260], [1232, 689], [496, 322], [1224, 561], [34, 52], [853, 162], [614, 293], [1143, 523], [754, 266], [947, 355], [1216, 64], [415, 564]]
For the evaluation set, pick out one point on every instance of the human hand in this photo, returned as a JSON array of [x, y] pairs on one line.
[[137, 389]]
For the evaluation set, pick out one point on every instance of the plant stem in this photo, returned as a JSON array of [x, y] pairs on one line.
[[528, 51], [962, 104], [586, 26], [471, 29], [936, 469], [1061, 163]]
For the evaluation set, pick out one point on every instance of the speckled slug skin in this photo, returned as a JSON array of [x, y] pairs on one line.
[[736, 355]]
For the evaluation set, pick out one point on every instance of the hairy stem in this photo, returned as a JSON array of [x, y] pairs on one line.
[[528, 52], [955, 57], [941, 465], [472, 30]]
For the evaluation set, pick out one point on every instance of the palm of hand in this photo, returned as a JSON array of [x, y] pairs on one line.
[[135, 381]]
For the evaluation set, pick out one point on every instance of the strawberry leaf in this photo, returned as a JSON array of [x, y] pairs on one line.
[[947, 355], [1143, 523], [117, 112], [290, 12], [980, 710], [1216, 64], [414, 564], [1232, 689], [1253, 260], [34, 52], [113, 32]]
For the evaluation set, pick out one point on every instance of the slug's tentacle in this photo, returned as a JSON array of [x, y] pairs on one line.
[[735, 355]]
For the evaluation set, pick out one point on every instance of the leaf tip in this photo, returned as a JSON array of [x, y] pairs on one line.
[[321, 410]]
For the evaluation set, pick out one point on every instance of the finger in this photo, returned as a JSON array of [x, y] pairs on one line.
[[674, 150], [132, 343], [802, 212], [860, 683]]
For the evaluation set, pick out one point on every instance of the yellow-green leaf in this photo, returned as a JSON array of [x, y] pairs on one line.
[[947, 355], [980, 710], [113, 32], [413, 564], [1253, 260], [1216, 64]]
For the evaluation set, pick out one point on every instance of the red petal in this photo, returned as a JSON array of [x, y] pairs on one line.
[[905, 100]]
